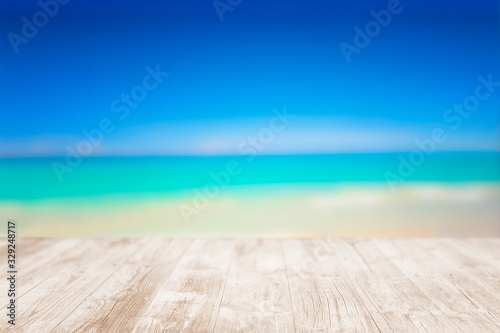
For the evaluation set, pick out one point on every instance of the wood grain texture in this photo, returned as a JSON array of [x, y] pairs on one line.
[[256, 285], [256, 293], [323, 297], [452, 291], [189, 301]]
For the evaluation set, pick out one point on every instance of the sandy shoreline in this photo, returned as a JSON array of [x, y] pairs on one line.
[[345, 210]]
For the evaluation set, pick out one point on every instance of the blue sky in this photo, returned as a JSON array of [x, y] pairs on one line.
[[227, 76]]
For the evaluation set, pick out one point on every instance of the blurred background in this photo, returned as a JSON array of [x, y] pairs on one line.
[[250, 118]]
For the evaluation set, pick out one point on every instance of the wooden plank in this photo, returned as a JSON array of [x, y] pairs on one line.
[[34, 250], [189, 300], [404, 306], [486, 248], [52, 256], [256, 296], [323, 298], [41, 259], [30, 246], [122, 296], [255, 285], [449, 289], [41, 309], [472, 264]]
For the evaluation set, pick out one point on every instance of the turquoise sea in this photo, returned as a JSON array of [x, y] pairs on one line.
[[343, 195], [34, 178]]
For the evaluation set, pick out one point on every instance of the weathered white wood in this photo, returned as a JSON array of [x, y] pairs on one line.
[[404, 306], [470, 262], [38, 259], [323, 298], [189, 301], [257, 285], [256, 294], [487, 248], [126, 289], [453, 292], [41, 309]]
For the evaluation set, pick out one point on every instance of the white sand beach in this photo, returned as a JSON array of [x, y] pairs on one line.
[[287, 210]]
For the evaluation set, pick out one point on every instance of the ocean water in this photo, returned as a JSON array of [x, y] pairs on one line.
[[35, 178], [345, 195]]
